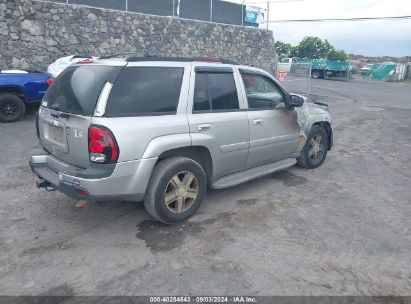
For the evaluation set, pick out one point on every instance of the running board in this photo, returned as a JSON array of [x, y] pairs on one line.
[[250, 174]]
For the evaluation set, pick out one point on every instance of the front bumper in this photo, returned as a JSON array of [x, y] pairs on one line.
[[122, 181]]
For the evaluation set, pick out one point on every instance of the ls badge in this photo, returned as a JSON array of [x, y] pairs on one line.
[[78, 133]]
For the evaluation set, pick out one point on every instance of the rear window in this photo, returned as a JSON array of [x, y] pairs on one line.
[[77, 89], [145, 91]]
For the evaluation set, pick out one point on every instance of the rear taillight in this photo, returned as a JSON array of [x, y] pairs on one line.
[[49, 81], [102, 145]]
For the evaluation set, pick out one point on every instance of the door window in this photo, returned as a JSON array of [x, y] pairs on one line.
[[215, 92], [261, 92]]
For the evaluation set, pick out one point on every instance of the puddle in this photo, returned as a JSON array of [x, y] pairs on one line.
[[162, 237], [289, 179]]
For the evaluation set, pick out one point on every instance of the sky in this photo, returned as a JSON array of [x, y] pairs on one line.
[[370, 38]]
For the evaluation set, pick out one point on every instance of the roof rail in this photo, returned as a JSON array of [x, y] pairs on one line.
[[184, 59], [120, 55]]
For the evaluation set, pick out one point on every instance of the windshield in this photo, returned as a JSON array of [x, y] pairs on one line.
[[77, 88]]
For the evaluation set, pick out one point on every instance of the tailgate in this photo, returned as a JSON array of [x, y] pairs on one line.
[[67, 110], [65, 136]]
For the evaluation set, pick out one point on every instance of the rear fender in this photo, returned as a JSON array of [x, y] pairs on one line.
[[161, 144]]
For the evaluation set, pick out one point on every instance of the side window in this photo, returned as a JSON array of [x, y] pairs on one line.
[[215, 92], [261, 92], [145, 90], [201, 96]]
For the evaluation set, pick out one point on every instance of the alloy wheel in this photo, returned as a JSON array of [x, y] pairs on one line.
[[8, 110], [316, 148], [181, 192]]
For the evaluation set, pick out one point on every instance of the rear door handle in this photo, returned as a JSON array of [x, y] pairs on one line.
[[258, 122], [203, 127]]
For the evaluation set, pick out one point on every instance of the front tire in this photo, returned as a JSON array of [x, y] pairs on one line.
[[315, 149], [12, 108], [176, 190]]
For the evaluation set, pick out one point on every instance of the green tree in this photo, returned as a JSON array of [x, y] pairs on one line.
[[284, 50], [314, 48], [337, 55]]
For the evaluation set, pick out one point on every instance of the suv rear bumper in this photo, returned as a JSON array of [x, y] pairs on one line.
[[121, 181]]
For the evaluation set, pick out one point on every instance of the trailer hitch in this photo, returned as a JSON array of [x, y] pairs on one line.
[[41, 183]]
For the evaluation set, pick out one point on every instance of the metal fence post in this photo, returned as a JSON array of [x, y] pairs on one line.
[[242, 13], [309, 79], [211, 10], [174, 2], [126, 5]]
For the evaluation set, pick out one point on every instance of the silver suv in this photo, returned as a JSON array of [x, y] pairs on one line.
[[162, 130]]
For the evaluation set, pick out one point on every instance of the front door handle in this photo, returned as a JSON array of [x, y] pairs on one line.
[[203, 127], [258, 122]]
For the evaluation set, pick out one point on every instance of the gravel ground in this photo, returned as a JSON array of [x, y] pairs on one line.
[[341, 229]]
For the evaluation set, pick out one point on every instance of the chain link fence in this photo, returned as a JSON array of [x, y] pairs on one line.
[[296, 77], [206, 10]]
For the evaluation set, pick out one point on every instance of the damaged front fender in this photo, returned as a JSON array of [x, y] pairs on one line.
[[309, 114]]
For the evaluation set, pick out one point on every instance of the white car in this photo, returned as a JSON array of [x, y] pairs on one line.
[[286, 63], [60, 64]]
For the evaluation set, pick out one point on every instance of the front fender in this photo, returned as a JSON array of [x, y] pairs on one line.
[[310, 114]]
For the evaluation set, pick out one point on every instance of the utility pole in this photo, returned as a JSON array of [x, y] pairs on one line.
[[268, 12]]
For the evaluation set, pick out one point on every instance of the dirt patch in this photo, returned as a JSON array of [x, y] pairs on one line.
[[247, 202], [47, 248], [61, 290]]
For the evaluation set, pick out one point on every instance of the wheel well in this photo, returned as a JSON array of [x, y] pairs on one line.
[[327, 127], [16, 91], [198, 153]]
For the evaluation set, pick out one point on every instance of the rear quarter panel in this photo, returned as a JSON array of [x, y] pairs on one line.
[[148, 136]]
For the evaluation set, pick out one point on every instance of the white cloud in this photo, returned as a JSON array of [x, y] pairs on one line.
[[385, 37]]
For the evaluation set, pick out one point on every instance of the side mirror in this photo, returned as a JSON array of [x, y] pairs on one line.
[[295, 101]]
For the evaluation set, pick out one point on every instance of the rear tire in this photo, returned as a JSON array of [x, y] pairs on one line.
[[315, 149], [12, 108], [176, 190]]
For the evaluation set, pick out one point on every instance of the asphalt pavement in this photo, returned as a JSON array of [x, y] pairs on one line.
[[341, 229]]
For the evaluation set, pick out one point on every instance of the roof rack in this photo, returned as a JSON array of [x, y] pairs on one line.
[[184, 59]]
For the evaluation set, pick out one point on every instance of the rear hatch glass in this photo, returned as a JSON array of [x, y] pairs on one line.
[[70, 103], [77, 88]]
